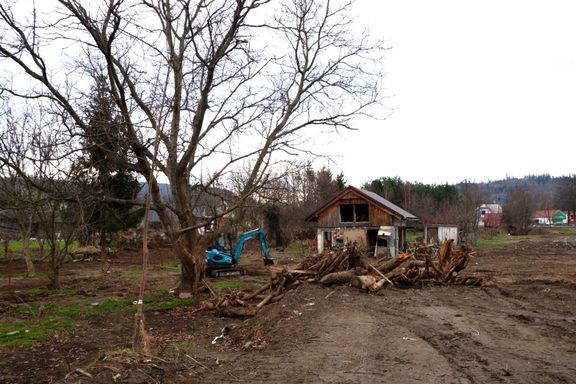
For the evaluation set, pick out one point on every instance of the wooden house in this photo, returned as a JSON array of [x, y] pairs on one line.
[[365, 217]]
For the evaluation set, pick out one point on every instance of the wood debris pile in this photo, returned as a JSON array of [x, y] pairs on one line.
[[424, 264]]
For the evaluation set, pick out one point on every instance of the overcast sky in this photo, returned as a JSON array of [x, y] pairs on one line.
[[480, 90]]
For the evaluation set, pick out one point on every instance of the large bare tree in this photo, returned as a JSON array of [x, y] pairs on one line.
[[227, 87]]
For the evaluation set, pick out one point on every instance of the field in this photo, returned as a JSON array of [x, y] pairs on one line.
[[519, 327]]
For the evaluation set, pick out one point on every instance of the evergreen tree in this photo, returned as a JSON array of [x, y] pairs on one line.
[[340, 181], [105, 178]]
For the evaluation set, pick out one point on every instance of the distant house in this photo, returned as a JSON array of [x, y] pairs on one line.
[[9, 225], [362, 216], [490, 215], [207, 203], [550, 217]]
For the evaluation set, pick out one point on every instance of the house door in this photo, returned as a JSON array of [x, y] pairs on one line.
[[378, 244]]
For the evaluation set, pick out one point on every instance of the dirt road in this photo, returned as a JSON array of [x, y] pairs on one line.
[[519, 328]]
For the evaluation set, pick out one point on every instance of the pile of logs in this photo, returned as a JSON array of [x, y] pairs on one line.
[[424, 264]]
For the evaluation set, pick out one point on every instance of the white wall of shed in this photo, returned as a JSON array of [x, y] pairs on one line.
[[447, 233]]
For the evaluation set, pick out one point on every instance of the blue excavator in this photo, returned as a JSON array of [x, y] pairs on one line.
[[222, 260]]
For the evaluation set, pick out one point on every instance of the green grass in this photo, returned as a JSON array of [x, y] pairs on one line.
[[21, 275], [109, 305], [229, 284], [151, 303], [297, 247], [66, 311], [412, 234], [85, 309], [131, 272], [567, 232], [171, 267], [496, 242], [36, 322], [50, 292], [27, 333], [160, 304], [28, 310], [18, 246]]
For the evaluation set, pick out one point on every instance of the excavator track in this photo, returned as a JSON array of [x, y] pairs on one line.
[[227, 272]]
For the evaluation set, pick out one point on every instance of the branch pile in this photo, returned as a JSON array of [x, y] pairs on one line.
[[424, 264]]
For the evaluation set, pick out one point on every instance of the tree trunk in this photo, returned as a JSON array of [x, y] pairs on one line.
[[55, 265], [192, 273], [30, 270], [192, 260], [54, 277]]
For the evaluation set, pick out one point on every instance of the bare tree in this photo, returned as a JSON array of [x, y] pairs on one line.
[[200, 73], [518, 212], [17, 196], [471, 198], [35, 154]]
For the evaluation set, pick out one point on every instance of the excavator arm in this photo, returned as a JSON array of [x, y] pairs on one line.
[[219, 262], [255, 233]]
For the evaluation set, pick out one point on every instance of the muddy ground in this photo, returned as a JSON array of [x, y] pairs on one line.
[[520, 327]]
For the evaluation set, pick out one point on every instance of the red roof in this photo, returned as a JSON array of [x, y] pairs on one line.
[[547, 214]]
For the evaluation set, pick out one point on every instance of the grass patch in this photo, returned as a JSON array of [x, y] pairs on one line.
[[297, 247], [567, 232], [16, 246], [496, 242], [413, 234], [84, 309], [111, 305], [229, 284], [67, 311], [25, 334], [171, 267], [151, 303], [131, 273], [159, 304], [23, 275], [42, 292]]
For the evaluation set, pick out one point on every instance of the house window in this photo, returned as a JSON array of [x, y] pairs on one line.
[[354, 213], [361, 211], [347, 213]]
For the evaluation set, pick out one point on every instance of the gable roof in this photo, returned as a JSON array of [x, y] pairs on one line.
[[368, 195], [547, 214]]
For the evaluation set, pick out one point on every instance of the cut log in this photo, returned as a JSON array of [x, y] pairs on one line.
[[445, 251], [382, 275], [270, 296], [418, 263], [301, 272], [367, 283], [333, 264], [393, 263], [339, 278], [257, 292], [377, 286]]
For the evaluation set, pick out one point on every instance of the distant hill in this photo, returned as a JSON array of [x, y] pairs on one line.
[[543, 187]]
